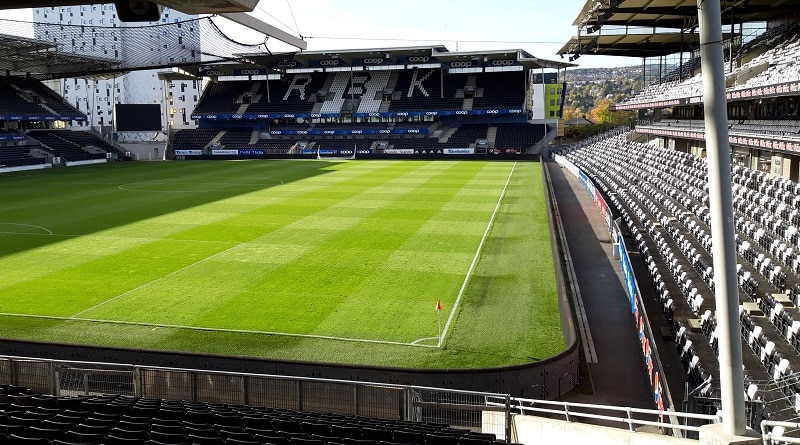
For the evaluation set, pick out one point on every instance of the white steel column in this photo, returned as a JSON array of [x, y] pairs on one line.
[[721, 211]]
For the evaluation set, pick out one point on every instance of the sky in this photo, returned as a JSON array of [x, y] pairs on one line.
[[539, 27]]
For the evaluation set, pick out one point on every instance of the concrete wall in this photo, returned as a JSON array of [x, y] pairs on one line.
[[533, 430]]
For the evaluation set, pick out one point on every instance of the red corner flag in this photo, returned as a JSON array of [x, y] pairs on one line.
[[438, 305]]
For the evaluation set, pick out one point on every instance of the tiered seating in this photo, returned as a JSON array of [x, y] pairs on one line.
[[51, 100], [220, 97], [29, 97], [420, 90], [193, 139], [672, 90], [465, 136], [776, 64], [337, 93], [662, 197], [519, 137], [274, 146], [371, 99], [17, 155], [500, 90], [85, 139], [294, 94], [59, 144], [29, 419], [236, 138]]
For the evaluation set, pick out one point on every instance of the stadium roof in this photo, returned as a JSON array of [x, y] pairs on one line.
[[412, 55], [645, 28], [642, 43], [21, 54]]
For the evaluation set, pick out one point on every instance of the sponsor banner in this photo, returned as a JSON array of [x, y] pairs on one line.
[[399, 151], [205, 71], [250, 72], [336, 151], [416, 60], [500, 63], [564, 162], [251, 151], [12, 137], [327, 63], [34, 118], [364, 151], [463, 64], [405, 131], [627, 275], [459, 151], [602, 206], [188, 152], [373, 61], [225, 152], [350, 131], [262, 116], [308, 151]]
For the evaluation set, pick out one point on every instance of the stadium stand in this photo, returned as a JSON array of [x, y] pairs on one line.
[[758, 63], [70, 145], [306, 110], [27, 98], [662, 197], [62, 420]]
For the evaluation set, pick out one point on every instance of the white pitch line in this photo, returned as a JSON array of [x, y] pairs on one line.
[[124, 187], [157, 279], [418, 341], [475, 258], [210, 329], [25, 225]]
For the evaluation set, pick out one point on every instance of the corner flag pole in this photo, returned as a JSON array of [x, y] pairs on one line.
[[439, 321]]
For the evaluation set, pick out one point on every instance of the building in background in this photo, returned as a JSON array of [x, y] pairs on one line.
[[105, 36]]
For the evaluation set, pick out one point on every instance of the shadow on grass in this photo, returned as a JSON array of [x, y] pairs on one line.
[[52, 205]]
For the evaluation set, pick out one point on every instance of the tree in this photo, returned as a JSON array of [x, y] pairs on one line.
[[603, 115]]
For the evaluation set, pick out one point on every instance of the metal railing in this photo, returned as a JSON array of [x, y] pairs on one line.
[[773, 431], [476, 411], [459, 409], [669, 422]]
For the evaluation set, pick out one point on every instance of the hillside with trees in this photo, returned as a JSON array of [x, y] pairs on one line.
[[591, 92]]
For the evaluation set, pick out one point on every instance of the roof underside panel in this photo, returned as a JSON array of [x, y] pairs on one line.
[[670, 17]]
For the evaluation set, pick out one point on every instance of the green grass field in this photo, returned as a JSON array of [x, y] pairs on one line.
[[309, 260]]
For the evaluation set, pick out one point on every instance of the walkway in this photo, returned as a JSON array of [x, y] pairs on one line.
[[618, 377]]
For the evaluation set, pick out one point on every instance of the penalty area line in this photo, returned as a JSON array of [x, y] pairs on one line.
[[223, 330], [475, 258], [45, 229]]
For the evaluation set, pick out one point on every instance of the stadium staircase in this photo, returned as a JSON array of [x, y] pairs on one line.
[[491, 136], [216, 138], [390, 86], [445, 135]]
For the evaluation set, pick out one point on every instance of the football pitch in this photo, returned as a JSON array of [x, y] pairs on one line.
[[334, 261]]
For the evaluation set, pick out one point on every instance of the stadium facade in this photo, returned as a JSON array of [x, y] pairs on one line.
[[96, 96]]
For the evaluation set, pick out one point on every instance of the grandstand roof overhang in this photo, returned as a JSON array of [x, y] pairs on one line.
[[376, 58], [520, 56], [642, 43], [22, 55], [678, 14], [176, 74], [646, 28]]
